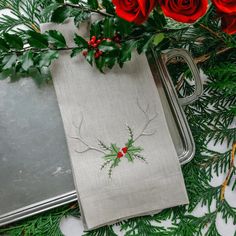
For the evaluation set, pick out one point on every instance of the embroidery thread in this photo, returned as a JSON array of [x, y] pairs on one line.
[[112, 154]]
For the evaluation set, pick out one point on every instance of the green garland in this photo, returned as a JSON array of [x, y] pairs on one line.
[[210, 118]]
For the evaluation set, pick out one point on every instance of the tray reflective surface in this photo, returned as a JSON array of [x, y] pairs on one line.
[[35, 173]]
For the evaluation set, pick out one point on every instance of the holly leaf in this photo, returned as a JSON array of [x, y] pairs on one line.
[[60, 14], [75, 51], [47, 57], [80, 42], [56, 38], [108, 27], [107, 4], [90, 57], [124, 27], [100, 62], [95, 29], [126, 51], [37, 40], [107, 46], [27, 60], [14, 41], [144, 44]]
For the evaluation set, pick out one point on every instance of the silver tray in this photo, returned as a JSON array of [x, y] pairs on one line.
[[35, 173]]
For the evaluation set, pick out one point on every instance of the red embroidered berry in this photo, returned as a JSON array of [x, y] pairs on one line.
[[124, 150], [98, 41], [119, 155], [85, 53]]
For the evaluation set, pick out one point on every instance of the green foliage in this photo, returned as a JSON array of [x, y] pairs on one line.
[[46, 224], [18, 60], [30, 18], [210, 118]]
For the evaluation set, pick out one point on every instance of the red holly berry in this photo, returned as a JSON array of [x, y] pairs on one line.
[[98, 41], [95, 45], [93, 39], [108, 40], [85, 53], [98, 53], [124, 149], [117, 38], [119, 155]]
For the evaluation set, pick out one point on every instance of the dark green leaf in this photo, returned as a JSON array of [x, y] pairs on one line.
[[75, 51], [60, 14], [144, 44], [108, 5], [80, 42], [107, 46], [56, 38], [14, 41], [37, 40], [93, 4], [108, 27], [90, 57], [124, 27], [47, 57], [3, 45], [100, 62], [27, 60], [95, 29], [126, 50]]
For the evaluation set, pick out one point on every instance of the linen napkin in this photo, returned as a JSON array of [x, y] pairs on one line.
[[123, 159]]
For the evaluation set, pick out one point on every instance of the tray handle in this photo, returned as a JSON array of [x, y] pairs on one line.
[[169, 54]]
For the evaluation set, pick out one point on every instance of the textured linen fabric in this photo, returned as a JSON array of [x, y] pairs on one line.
[[106, 103]]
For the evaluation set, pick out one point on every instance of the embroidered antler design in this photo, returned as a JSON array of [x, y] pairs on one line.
[[113, 154], [80, 138], [147, 123]]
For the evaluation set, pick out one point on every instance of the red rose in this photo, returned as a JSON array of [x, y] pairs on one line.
[[227, 11], [229, 23], [226, 6], [136, 11], [186, 11]]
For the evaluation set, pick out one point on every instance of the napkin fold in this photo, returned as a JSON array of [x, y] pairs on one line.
[[123, 159]]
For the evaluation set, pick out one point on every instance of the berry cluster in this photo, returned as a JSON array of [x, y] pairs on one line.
[[122, 152], [93, 43]]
